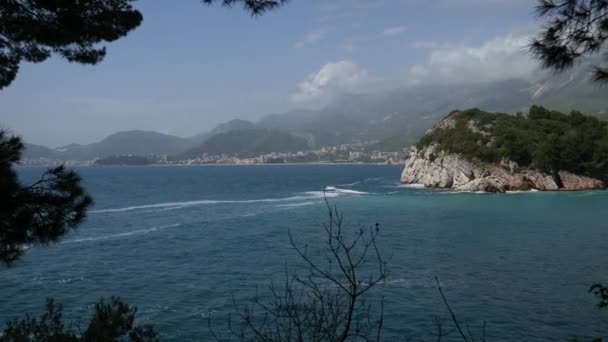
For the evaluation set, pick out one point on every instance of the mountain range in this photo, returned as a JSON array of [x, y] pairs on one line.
[[134, 142], [248, 143], [393, 118], [403, 114]]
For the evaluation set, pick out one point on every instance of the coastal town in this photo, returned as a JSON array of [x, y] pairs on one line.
[[345, 153], [336, 154]]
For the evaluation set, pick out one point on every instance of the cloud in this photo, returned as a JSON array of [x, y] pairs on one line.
[[333, 79], [501, 58], [310, 38], [394, 31], [498, 59]]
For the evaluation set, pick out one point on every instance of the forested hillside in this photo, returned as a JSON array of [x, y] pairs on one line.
[[544, 140]]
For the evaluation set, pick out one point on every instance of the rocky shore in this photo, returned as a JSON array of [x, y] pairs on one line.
[[438, 169]]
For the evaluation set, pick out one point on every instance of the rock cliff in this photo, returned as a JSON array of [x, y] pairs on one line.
[[433, 167], [438, 169]]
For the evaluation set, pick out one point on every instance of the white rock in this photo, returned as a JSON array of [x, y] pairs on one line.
[[438, 169]]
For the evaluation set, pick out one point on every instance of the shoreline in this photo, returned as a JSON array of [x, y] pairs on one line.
[[258, 164], [508, 192]]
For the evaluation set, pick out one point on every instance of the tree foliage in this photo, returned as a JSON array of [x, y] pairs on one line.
[[112, 320], [39, 213], [575, 28], [256, 7], [32, 30], [545, 140]]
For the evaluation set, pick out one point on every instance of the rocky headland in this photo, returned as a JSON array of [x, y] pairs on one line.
[[436, 162]]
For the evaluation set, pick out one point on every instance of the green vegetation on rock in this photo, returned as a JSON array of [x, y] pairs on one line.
[[545, 140]]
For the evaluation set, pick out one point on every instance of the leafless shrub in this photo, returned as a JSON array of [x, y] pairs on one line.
[[329, 302]]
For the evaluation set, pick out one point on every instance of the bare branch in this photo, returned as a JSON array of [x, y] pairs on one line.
[[329, 302], [464, 338]]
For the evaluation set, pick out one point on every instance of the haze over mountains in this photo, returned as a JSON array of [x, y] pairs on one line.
[[395, 118], [134, 142], [248, 143]]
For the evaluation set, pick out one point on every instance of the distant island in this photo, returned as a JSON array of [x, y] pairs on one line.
[[544, 150]]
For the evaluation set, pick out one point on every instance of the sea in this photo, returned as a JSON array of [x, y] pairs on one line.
[[186, 244]]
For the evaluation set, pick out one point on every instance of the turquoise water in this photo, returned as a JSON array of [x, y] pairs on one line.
[[179, 242]]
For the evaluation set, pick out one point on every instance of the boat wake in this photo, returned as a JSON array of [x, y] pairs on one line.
[[329, 192], [331, 189], [350, 184], [173, 205], [295, 205], [114, 236]]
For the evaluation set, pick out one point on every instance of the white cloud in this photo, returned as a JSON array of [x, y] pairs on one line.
[[502, 58], [394, 31], [333, 79], [498, 59], [310, 38]]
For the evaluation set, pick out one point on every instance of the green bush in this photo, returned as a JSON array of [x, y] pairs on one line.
[[544, 140]]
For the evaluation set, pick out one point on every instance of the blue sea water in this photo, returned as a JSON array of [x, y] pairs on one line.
[[181, 242]]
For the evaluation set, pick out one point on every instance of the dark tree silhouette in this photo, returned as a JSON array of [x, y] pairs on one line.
[[41, 212], [256, 7], [32, 30], [111, 321], [601, 292], [575, 28]]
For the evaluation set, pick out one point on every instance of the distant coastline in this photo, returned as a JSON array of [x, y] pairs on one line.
[[341, 154], [401, 164]]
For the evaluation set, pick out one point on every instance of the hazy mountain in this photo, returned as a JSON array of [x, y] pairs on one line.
[[134, 142], [248, 143], [121, 143], [395, 116], [401, 115], [232, 125], [38, 151], [125, 143]]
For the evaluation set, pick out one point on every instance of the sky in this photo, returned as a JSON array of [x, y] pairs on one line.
[[189, 67]]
